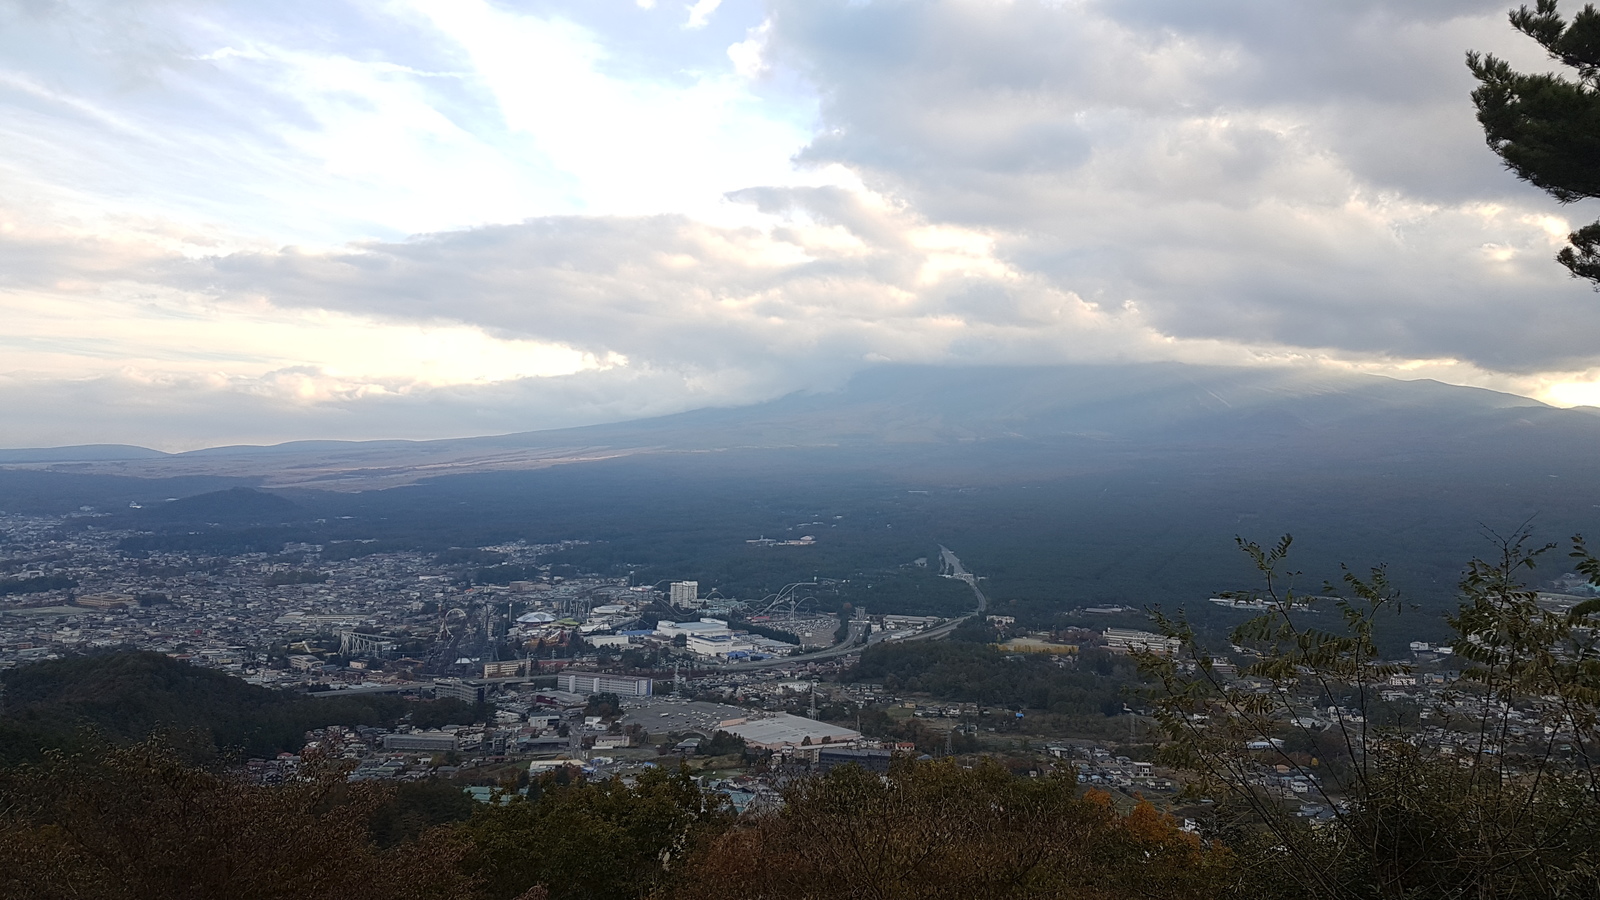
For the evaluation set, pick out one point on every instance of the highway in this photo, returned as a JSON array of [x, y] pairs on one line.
[[852, 642], [949, 566]]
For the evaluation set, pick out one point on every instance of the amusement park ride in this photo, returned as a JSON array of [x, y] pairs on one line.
[[465, 635], [788, 601]]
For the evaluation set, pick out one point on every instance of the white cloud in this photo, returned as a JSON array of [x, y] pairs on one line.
[[77, 329], [364, 219], [700, 13], [627, 146], [1267, 175], [372, 120], [748, 55]]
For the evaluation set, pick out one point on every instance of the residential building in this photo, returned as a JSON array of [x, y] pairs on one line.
[[432, 741], [685, 594], [1128, 640], [459, 689], [601, 683]]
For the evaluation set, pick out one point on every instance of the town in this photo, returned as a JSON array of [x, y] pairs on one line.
[[592, 672]]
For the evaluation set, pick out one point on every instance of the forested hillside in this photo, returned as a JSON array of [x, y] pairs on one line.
[[127, 696]]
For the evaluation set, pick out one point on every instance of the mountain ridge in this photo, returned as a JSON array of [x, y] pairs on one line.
[[1145, 406]]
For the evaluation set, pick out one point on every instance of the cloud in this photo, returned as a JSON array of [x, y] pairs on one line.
[[187, 412], [321, 123], [1243, 171], [700, 13], [833, 276], [332, 219], [618, 316], [748, 55]]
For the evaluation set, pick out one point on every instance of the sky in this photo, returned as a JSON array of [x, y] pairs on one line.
[[245, 222]]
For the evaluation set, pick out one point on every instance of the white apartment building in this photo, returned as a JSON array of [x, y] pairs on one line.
[[601, 683], [1128, 640], [685, 594]]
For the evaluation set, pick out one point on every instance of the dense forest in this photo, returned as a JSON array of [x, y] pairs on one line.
[[1140, 532]]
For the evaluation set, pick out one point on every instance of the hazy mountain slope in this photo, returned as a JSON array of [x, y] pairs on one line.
[[1062, 486], [1128, 407], [82, 453]]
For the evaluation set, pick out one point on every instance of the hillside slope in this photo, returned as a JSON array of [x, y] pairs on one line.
[[127, 696], [889, 410]]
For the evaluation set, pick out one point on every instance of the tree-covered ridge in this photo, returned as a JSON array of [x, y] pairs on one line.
[[127, 696]]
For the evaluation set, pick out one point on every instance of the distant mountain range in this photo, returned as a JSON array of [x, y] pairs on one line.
[[1061, 486], [1042, 416]]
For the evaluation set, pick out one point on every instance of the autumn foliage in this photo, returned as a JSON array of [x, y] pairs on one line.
[[129, 823], [136, 823], [940, 830]]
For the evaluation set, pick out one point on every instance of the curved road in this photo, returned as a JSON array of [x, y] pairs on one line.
[[949, 566]]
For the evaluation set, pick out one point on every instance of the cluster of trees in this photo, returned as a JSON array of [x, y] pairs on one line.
[[469, 556], [723, 743], [877, 723], [219, 541], [910, 592], [126, 696], [579, 840], [338, 551], [980, 673], [939, 830], [448, 711], [296, 576], [1490, 789], [137, 822], [36, 584]]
